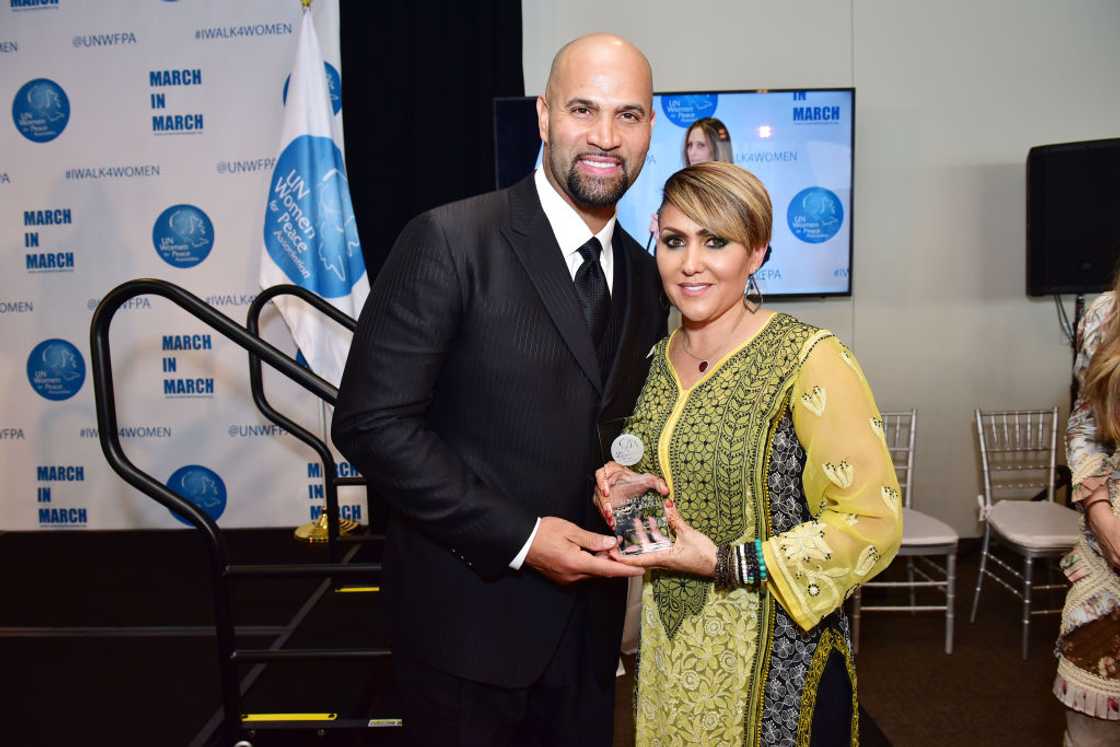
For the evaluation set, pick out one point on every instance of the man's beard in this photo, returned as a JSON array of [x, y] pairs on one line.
[[595, 192]]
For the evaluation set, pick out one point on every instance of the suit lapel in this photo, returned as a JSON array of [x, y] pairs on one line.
[[624, 273], [531, 237]]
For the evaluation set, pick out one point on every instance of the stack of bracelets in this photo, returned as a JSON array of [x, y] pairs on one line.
[[740, 565]]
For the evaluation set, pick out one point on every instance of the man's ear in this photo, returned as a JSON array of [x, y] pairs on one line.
[[542, 118]]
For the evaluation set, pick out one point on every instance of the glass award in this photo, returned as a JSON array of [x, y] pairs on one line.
[[639, 515]]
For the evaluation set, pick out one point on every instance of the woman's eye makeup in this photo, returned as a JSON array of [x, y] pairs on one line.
[[675, 240]]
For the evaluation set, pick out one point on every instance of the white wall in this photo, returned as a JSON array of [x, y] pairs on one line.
[[950, 96]]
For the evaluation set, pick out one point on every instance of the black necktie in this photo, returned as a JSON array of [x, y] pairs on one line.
[[591, 287]]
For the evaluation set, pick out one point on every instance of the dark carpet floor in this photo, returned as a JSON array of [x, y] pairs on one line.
[[984, 693], [161, 691]]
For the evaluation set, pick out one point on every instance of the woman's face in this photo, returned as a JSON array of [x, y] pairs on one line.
[[704, 275], [697, 148]]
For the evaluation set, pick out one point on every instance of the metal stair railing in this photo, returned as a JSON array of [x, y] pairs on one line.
[[331, 479], [221, 571]]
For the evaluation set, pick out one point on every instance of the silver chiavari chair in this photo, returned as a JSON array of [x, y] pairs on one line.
[[1018, 449], [923, 538]]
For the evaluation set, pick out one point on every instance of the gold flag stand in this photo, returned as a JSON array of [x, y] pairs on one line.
[[316, 531]]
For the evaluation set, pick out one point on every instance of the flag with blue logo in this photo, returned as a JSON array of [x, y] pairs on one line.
[[310, 237]]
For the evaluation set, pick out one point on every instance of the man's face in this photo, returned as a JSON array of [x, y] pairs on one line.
[[596, 125]]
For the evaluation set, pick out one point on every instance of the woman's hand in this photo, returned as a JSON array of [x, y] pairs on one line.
[[608, 475], [692, 552], [1087, 487], [604, 476], [1104, 524]]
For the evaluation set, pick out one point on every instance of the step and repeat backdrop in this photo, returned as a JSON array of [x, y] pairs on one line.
[[139, 140]]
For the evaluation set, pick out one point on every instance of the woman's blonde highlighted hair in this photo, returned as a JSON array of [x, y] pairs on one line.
[[1102, 378], [724, 198]]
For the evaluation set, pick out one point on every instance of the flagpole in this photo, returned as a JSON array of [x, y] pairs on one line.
[[319, 529], [310, 234]]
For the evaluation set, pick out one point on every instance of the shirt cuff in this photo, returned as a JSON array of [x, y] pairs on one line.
[[515, 564]]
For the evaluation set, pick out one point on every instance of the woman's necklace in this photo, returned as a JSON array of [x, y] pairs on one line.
[[703, 361]]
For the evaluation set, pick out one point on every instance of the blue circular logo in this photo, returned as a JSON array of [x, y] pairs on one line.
[[815, 215], [202, 487], [334, 85], [684, 110], [183, 235], [309, 227], [56, 369], [41, 110]]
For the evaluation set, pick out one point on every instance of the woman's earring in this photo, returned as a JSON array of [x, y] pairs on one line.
[[752, 296]]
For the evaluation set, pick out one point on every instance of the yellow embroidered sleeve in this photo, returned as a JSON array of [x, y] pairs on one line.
[[849, 483]]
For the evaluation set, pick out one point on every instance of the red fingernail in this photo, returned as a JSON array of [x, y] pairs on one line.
[[669, 503]]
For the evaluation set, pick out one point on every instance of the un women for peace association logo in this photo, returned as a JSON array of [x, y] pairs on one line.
[[815, 215], [309, 227], [201, 486], [56, 369], [183, 235], [41, 110], [334, 87], [683, 110]]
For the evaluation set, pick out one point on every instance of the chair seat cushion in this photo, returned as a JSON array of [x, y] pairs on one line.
[[921, 529], [1035, 524]]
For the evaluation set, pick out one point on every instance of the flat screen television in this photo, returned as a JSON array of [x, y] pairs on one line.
[[800, 143], [1073, 204]]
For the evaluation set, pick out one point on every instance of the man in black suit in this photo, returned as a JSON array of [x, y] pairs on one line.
[[501, 331]]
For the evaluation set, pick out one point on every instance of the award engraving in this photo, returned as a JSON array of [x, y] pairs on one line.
[[639, 515]]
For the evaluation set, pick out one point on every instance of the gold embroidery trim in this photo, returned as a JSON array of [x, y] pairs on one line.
[[755, 707], [830, 641]]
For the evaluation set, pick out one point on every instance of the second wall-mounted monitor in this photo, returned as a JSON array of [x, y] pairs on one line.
[[800, 143]]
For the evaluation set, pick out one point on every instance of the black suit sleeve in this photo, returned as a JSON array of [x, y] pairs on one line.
[[405, 330]]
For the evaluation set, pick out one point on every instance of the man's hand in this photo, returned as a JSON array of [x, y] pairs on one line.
[[563, 553]]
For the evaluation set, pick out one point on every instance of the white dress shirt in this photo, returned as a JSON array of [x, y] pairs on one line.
[[571, 233]]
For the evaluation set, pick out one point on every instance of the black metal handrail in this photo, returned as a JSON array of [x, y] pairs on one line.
[[221, 571], [331, 480]]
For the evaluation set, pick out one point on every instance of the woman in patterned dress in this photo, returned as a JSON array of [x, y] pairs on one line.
[[1088, 679], [761, 427]]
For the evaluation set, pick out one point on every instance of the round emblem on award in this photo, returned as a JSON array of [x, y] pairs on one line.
[[627, 449]]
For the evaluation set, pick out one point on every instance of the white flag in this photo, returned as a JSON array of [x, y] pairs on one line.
[[310, 237]]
